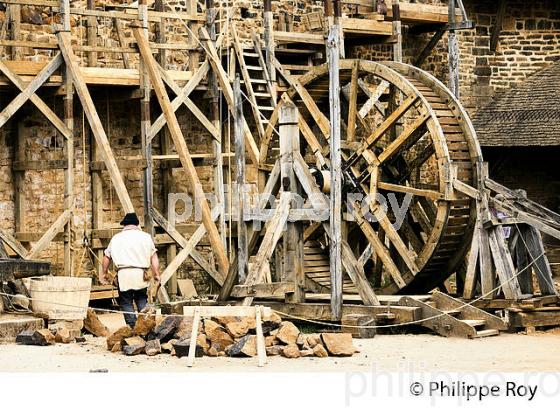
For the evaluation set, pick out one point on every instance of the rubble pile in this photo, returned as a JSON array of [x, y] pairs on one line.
[[224, 336]]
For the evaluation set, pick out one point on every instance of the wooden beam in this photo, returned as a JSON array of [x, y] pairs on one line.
[[263, 290], [356, 272], [335, 249], [64, 41], [13, 243], [181, 257], [497, 28], [183, 242], [49, 234], [184, 155], [426, 51]]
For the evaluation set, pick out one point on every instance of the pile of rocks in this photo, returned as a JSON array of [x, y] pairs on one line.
[[225, 336]]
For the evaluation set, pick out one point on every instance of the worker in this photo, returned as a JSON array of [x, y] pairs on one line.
[[133, 252]]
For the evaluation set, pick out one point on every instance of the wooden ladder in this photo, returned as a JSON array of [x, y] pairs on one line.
[[256, 80], [448, 316]]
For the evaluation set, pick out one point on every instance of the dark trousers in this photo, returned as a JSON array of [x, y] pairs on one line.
[[127, 300]]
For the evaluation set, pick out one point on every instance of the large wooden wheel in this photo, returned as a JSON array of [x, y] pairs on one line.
[[405, 134]]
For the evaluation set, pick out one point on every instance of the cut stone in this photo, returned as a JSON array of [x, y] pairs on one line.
[[185, 328], [39, 337], [320, 351], [244, 346], [117, 347], [291, 351], [306, 352], [167, 328], [269, 341], [153, 347], [338, 344], [182, 348], [63, 336], [287, 333], [274, 350], [217, 335], [145, 322], [119, 336], [271, 323], [134, 345], [313, 339], [93, 325], [237, 329]]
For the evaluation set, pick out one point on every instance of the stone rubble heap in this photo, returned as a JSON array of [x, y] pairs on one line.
[[225, 336]]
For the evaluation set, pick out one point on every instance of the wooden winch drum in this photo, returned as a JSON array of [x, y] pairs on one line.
[[422, 139]]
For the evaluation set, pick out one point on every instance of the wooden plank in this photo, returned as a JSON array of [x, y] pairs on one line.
[[218, 311], [49, 234], [263, 290], [285, 37], [366, 27], [469, 288], [94, 121], [13, 243], [373, 98], [504, 264], [184, 155]]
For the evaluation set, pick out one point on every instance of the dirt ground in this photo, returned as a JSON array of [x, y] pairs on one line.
[[507, 352]]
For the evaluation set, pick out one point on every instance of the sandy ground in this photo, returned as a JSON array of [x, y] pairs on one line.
[[507, 352]]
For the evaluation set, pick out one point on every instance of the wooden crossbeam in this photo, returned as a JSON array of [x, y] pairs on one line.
[[320, 118], [353, 103], [182, 150], [373, 97], [407, 137], [273, 232], [13, 243], [183, 242], [159, 123], [39, 103], [30, 90], [358, 277], [181, 257], [380, 249], [64, 41], [187, 102], [49, 235]]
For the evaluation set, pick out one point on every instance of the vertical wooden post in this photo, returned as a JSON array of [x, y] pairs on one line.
[[194, 56], [268, 24], [159, 5], [333, 56], [293, 269], [15, 19], [92, 34], [145, 122], [69, 150], [239, 138], [19, 180], [487, 276], [337, 9], [397, 32], [214, 92], [453, 52]]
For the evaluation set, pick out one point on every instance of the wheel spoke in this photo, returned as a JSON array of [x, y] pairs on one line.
[[353, 104]]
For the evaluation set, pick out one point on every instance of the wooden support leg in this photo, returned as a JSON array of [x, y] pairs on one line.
[[536, 251], [194, 334], [261, 350]]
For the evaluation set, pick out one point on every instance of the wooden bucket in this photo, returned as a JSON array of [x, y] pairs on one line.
[[60, 297]]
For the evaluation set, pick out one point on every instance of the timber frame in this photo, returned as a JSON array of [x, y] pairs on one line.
[[267, 125]]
